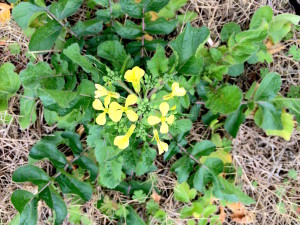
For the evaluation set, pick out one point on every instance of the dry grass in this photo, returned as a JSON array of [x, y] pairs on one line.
[[265, 161]]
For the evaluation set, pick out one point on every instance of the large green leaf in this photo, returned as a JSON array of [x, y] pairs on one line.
[[133, 217], [27, 108], [183, 192], [73, 52], [88, 27], [9, 84], [131, 8], [187, 43], [292, 104], [69, 184], [160, 26], [263, 13], [268, 88], [154, 5], [183, 167], [88, 164], [45, 36], [24, 13], [74, 141], [253, 35], [20, 198], [129, 30], [146, 161], [65, 8], [43, 150], [31, 174], [228, 29], [203, 148], [30, 213], [225, 100], [158, 65], [233, 121], [114, 51], [268, 117]]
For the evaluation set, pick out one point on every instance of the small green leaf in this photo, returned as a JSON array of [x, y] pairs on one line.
[[88, 27], [154, 5], [228, 29], [295, 52], [128, 31], [170, 9], [88, 164], [268, 88], [233, 121], [183, 167], [183, 193], [9, 84], [65, 8], [31, 174], [160, 26], [69, 184], [225, 100], [268, 117], [27, 108], [133, 217], [203, 148], [146, 161], [181, 126], [43, 150], [30, 213], [74, 141], [132, 8], [45, 37], [158, 65], [20, 198], [263, 13]]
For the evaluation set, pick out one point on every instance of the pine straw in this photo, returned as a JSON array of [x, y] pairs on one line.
[[264, 160]]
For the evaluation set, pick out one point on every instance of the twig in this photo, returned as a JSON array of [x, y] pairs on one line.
[[123, 85]]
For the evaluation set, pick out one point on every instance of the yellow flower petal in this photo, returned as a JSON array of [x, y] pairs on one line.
[[114, 106], [97, 104], [164, 108], [130, 130], [132, 116], [129, 76], [177, 91], [152, 120], [168, 96], [131, 100], [138, 72], [107, 101], [164, 128], [162, 147], [121, 141], [114, 95], [170, 119], [101, 91], [101, 119], [136, 86], [115, 115]]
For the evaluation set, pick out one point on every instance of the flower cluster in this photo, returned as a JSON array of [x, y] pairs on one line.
[[135, 109]]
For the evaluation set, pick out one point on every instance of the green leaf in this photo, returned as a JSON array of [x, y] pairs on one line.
[[225, 100], [236, 70], [253, 35], [183, 167], [55, 202], [203, 148], [133, 217], [132, 8], [110, 165], [88, 164], [146, 161], [187, 43], [160, 26], [268, 117], [74, 141], [65, 8], [43, 150], [45, 37], [9, 84], [228, 29], [188, 16], [170, 9], [181, 126], [20, 199], [73, 53], [288, 126], [88, 27], [183, 193], [233, 121], [128, 31], [154, 5], [29, 214], [27, 108], [293, 104], [268, 88], [31, 174], [69, 184], [295, 52], [24, 14], [158, 65], [114, 51], [94, 135], [193, 66], [263, 13]]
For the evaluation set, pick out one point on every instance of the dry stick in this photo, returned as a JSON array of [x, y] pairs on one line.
[[61, 23]]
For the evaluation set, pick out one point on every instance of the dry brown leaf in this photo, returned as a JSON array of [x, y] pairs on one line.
[[156, 197], [154, 15], [4, 12], [148, 37], [272, 49], [240, 214]]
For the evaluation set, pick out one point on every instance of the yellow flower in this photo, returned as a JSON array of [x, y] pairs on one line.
[[101, 91], [123, 141], [101, 119], [162, 146], [164, 128], [116, 110], [133, 76], [176, 91]]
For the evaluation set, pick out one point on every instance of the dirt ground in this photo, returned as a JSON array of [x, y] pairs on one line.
[[264, 162]]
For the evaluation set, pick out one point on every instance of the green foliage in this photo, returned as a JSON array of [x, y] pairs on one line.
[[110, 75]]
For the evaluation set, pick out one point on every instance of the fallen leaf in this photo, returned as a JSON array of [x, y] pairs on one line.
[[4, 12], [272, 49], [156, 197], [148, 37], [239, 213], [154, 15]]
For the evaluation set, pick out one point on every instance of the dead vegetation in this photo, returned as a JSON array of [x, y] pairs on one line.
[[264, 161]]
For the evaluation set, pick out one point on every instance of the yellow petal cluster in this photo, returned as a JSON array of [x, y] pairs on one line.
[[116, 110], [101, 119], [123, 141], [162, 146], [102, 91], [176, 91], [153, 120], [134, 76]]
